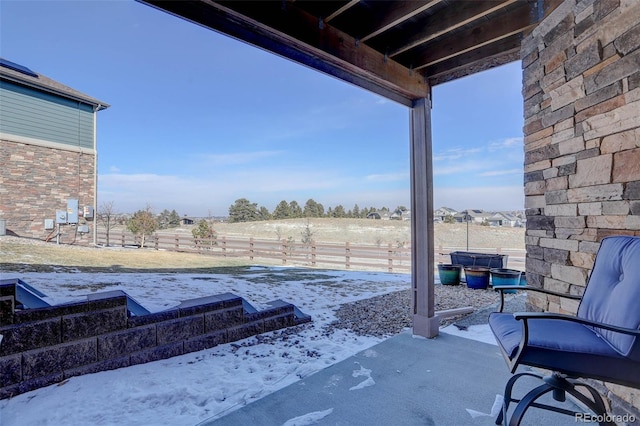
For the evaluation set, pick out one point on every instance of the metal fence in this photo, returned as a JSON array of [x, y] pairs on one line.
[[286, 252]]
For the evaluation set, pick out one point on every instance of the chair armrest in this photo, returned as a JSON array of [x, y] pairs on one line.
[[546, 315], [502, 288]]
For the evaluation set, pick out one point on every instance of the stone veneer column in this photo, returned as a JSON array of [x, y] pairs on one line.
[[581, 89]]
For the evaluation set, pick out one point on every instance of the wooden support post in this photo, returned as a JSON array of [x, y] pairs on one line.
[[251, 248], [390, 258], [425, 322], [347, 255], [313, 253]]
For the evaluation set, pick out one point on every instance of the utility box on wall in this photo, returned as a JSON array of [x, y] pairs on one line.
[[72, 211], [61, 216], [88, 212], [48, 224]]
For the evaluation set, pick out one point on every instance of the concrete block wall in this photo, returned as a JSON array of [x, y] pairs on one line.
[[44, 346], [581, 89], [35, 181]]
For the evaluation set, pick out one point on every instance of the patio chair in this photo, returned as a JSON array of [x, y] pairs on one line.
[[601, 342]]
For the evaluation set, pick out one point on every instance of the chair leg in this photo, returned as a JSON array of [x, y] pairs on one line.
[[508, 390], [559, 385]]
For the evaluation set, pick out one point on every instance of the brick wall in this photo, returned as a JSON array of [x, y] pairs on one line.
[[47, 345], [581, 88], [35, 181]]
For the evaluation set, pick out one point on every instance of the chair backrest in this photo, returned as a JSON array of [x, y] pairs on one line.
[[612, 295]]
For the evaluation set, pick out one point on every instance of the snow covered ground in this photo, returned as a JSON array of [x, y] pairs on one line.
[[191, 388]]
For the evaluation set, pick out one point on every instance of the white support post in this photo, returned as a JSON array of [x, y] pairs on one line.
[[425, 321]]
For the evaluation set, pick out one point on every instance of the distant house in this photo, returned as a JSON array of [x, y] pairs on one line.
[[473, 216], [442, 213], [48, 152], [501, 219], [187, 221], [379, 214], [401, 215]]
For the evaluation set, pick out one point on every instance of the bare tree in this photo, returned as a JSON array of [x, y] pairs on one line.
[[107, 217]]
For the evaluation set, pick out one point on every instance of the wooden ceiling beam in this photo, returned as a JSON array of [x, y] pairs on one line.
[[455, 16], [499, 53], [402, 12], [341, 10], [517, 21]]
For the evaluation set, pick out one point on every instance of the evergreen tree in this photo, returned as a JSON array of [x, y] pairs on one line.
[[282, 211], [168, 219], [310, 208], [263, 213], [356, 211], [339, 211], [142, 223], [204, 235], [295, 209], [243, 211]]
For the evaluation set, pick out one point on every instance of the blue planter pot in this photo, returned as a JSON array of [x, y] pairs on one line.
[[477, 277], [449, 274], [502, 277]]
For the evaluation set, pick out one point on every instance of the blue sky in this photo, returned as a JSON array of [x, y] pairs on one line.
[[198, 120]]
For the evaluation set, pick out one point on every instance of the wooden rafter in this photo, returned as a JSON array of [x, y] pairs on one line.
[[402, 12], [449, 20]]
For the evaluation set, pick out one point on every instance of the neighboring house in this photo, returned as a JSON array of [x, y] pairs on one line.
[[502, 219], [442, 213], [380, 214], [401, 215], [474, 216], [48, 156], [187, 221]]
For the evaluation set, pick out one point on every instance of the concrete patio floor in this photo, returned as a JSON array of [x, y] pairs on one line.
[[404, 380]]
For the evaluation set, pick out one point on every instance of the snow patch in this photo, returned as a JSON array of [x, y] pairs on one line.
[[308, 419]]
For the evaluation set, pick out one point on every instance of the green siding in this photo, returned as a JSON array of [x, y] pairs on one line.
[[30, 113]]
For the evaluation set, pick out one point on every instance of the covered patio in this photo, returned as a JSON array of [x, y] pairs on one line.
[[581, 95], [396, 49]]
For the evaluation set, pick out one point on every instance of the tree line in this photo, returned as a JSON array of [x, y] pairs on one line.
[[144, 222], [243, 210]]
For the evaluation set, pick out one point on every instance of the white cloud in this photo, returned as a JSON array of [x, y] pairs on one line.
[[516, 142], [485, 198], [388, 177], [232, 159], [456, 153]]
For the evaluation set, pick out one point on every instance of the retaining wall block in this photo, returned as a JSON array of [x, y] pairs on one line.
[[219, 320], [157, 353], [116, 344], [245, 330], [180, 329], [50, 360], [205, 341], [24, 337], [153, 318], [109, 364], [87, 324], [10, 369]]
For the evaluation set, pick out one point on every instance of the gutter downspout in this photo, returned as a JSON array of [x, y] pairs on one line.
[[95, 173]]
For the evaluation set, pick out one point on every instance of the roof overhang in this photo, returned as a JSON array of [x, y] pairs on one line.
[[395, 48]]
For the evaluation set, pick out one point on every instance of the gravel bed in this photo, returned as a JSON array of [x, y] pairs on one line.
[[389, 314]]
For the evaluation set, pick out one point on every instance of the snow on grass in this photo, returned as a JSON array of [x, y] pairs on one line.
[[194, 387]]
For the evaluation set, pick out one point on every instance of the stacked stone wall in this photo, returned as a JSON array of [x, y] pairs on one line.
[[47, 345], [36, 181], [581, 89]]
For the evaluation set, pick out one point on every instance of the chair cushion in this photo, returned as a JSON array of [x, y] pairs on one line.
[[564, 346], [613, 291]]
